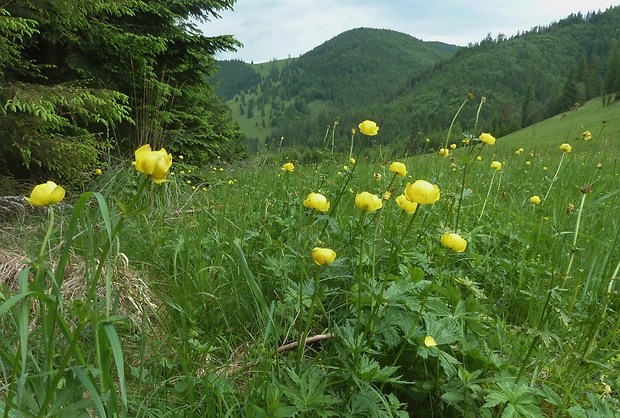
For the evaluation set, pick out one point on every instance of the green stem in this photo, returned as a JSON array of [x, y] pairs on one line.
[[454, 120], [48, 234], [486, 198], [574, 251], [391, 260], [458, 209], [304, 334], [333, 207], [478, 115], [555, 177]]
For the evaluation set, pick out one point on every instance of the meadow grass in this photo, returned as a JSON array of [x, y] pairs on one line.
[[201, 297]]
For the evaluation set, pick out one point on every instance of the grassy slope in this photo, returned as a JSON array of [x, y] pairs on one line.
[[568, 127]]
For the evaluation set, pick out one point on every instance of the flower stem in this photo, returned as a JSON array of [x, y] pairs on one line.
[[555, 177], [454, 119], [573, 251], [486, 198], [313, 301]]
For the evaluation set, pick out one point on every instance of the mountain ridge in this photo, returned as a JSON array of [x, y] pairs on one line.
[[525, 78]]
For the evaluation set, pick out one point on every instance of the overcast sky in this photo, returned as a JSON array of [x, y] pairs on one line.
[[278, 29]]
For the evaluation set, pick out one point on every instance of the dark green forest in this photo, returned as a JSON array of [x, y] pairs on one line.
[[412, 89], [84, 82]]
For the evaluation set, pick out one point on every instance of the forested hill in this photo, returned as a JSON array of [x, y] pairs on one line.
[[358, 67], [525, 78]]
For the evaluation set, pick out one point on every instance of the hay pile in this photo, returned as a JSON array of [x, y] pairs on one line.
[[136, 300]]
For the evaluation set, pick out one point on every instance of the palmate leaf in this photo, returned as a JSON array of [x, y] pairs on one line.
[[519, 400]]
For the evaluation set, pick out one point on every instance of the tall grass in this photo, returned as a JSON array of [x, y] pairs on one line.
[[236, 319]]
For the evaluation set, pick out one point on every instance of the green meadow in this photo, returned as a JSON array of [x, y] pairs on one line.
[[215, 293]]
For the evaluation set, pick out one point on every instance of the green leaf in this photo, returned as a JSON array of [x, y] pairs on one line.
[[117, 350]]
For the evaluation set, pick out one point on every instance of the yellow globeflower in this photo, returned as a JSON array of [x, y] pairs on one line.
[[369, 128], [487, 138], [496, 165], [430, 341], [454, 242], [98, 172], [586, 135], [46, 194], [378, 176], [317, 201], [444, 152], [323, 255], [566, 147], [406, 204], [368, 202], [352, 161], [535, 200], [422, 192], [154, 163], [452, 146], [290, 167], [399, 168]]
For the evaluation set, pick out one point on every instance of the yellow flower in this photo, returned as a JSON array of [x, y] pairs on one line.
[[487, 138], [46, 194], [98, 172], [452, 146], [386, 195], [545, 168], [154, 163], [352, 131], [368, 202], [369, 128], [290, 167], [586, 135], [406, 204], [496, 165], [535, 200], [444, 152], [231, 182], [422, 192], [378, 176], [528, 163], [428, 140], [323, 255], [180, 157], [352, 161], [430, 341], [454, 242], [566, 147], [317, 201], [478, 158], [399, 168]]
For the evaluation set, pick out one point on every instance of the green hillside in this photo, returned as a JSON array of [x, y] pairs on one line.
[[358, 67], [525, 79], [603, 122]]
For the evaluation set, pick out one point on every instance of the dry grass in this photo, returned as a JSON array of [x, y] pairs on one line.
[[136, 300]]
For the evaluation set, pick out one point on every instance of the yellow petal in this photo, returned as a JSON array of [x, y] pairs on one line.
[[430, 341]]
